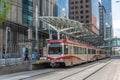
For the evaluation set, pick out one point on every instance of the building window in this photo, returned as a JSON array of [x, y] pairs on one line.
[[81, 6], [87, 21], [76, 2], [72, 17], [72, 2], [27, 15], [72, 7], [76, 12], [87, 11], [81, 21], [86, 1], [81, 12], [81, 1], [81, 17], [76, 7], [87, 16], [77, 17], [72, 13], [87, 6]]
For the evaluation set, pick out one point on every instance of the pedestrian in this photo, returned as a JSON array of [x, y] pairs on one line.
[[3, 51], [26, 54]]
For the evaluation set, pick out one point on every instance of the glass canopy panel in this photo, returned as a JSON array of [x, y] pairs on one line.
[[73, 28]]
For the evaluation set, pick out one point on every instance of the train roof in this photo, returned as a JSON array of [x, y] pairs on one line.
[[73, 42]]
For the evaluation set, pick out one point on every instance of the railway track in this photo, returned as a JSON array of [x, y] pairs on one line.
[[74, 73], [87, 76]]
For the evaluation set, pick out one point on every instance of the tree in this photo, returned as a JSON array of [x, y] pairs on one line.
[[4, 10]]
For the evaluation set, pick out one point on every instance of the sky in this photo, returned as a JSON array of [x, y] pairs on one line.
[[62, 4], [116, 17]]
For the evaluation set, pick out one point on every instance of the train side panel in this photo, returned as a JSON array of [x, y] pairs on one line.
[[71, 53]]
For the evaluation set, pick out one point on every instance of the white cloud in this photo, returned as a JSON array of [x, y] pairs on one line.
[[116, 24], [117, 33], [116, 17], [100, 1]]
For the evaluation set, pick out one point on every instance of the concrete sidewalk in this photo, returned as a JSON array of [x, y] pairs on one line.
[[14, 68]]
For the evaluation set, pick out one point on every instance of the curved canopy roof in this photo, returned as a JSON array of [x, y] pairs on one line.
[[72, 28]]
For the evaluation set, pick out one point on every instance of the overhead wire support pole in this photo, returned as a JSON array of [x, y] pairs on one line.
[[36, 28]]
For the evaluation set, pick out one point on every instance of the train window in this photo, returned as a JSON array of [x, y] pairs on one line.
[[65, 49], [84, 50], [55, 50], [74, 49], [80, 50], [93, 51], [77, 50], [89, 51], [55, 43], [70, 50]]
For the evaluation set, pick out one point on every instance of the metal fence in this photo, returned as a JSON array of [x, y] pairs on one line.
[[0, 54], [11, 61]]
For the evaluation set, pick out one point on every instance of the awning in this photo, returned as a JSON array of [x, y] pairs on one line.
[[72, 28]]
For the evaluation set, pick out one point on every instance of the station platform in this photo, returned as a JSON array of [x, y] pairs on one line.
[[11, 65]]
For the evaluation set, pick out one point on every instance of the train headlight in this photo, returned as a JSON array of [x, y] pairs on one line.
[[48, 59], [61, 59], [43, 58]]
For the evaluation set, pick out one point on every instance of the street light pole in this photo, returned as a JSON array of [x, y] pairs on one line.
[[7, 29], [36, 29], [6, 41]]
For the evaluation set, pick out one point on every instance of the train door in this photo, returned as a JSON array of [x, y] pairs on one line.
[[86, 54], [90, 55]]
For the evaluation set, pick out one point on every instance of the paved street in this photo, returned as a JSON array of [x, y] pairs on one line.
[[108, 69], [110, 72]]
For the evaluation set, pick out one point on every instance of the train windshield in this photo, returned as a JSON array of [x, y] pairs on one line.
[[55, 49]]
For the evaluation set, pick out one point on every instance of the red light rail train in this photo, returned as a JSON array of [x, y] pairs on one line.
[[69, 53]]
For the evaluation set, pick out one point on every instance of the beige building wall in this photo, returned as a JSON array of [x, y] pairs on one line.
[[15, 13], [17, 34]]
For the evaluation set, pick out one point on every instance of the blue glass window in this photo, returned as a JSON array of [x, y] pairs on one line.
[[27, 12]]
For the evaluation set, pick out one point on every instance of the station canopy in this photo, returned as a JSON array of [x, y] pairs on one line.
[[72, 28]]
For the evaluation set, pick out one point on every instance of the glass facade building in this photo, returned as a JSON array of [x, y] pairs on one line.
[[95, 12], [107, 5], [102, 17], [109, 30], [27, 12]]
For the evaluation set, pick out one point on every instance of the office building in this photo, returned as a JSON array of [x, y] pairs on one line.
[[85, 11], [108, 8], [14, 32], [46, 8], [109, 31], [107, 5], [102, 21]]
